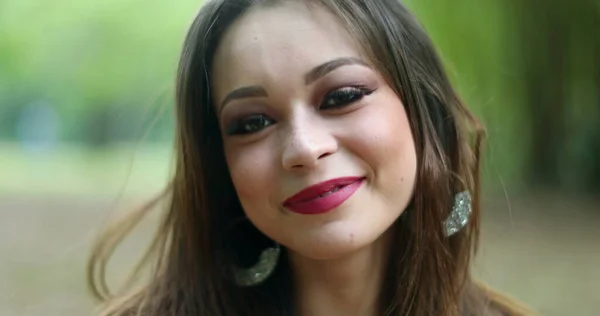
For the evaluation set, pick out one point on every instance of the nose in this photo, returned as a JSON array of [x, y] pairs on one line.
[[306, 142]]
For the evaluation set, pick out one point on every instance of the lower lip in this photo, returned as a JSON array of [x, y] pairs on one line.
[[327, 203]]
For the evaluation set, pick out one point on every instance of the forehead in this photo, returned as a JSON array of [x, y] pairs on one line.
[[282, 42]]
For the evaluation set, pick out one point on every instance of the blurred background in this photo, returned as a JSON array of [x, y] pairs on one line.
[[86, 128]]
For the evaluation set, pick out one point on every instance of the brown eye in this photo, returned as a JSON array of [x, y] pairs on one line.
[[343, 97], [249, 125]]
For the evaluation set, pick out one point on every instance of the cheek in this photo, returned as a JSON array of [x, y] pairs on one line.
[[252, 173], [384, 142]]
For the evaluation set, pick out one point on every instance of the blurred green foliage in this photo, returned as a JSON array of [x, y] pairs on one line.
[[85, 57]]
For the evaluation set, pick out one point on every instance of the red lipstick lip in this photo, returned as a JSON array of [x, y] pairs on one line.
[[314, 191]]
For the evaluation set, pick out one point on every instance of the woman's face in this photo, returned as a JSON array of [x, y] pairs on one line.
[[299, 106]]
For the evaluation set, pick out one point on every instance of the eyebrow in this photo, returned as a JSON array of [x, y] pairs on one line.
[[245, 92], [310, 77], [330, 66]]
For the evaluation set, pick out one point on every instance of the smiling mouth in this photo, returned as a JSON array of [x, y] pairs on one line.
[[325, 196], [331, 192]]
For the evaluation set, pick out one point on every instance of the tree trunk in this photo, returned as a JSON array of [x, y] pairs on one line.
[[545, 53]]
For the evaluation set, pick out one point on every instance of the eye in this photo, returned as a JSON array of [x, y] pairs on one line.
[[249, 125], [343, 97]]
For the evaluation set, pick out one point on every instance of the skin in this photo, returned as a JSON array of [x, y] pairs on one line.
[[301, 135]]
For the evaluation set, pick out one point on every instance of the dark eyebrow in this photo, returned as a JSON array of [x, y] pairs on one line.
[[310, 77], [330, 66], [245, 92]]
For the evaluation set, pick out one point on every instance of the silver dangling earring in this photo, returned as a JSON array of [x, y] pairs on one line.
[[459, 216], [259, 272]]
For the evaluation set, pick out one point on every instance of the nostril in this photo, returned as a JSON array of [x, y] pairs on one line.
[[324, 155]]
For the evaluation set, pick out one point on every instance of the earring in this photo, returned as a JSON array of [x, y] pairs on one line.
[[259, 272], [459, 216]]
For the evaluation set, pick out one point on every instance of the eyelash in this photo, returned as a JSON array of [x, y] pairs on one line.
[[352, 94], [349, 94], [242, 126]]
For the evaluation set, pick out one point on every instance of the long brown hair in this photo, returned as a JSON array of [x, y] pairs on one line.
[[198, 241]]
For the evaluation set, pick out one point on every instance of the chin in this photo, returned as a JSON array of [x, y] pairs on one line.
[[333, 241]]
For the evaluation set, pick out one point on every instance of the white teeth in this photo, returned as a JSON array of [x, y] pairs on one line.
[[330, 192]]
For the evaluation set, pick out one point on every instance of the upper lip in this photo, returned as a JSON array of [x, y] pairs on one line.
[[314, 191]]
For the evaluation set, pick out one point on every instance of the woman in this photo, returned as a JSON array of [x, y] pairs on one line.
[[325, 166]]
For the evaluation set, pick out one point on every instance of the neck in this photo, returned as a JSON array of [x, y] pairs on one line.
[[343, 286]]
